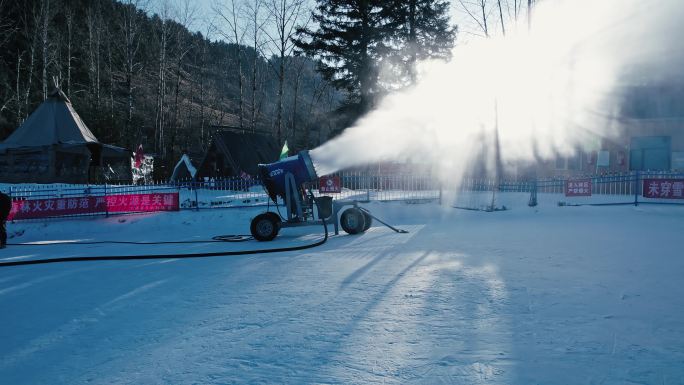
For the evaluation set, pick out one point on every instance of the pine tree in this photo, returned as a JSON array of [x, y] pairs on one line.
[[354, 38], [349, 42], [422, 32]]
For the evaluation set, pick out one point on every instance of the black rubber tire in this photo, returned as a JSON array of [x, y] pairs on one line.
[[276, 218], [264, 227], [353, 221], [369, 221]]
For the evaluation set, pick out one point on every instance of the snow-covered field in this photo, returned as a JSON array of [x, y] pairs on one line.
[[548, 295]]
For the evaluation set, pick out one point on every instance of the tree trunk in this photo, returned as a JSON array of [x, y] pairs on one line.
[[279, 109], [295, 104], [45, 10], [366, 65], [254, 86], [18, 91], [161, 92], [69, 25], [32, 61], [503, 26], [483, 8], [529, 14], [203, 64], [111, 82], [241, 103], [175, 103], [412, 41]]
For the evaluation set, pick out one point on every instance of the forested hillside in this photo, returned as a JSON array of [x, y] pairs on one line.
[[137, 74]]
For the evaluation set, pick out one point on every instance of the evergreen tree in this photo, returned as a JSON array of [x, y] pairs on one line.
[[423, 32], [349, 43], [353, 39]]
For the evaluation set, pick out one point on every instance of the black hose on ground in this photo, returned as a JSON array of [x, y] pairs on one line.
[[167, 256], [216, 239]]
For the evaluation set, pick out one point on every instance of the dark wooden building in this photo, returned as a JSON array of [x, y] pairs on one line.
[[233, 153]]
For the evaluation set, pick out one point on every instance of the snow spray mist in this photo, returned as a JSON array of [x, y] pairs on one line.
[[545, 91]]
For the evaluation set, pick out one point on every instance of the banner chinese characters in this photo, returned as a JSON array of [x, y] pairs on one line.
[[663, 188], [59, 207], [142, 203], [578, 188]]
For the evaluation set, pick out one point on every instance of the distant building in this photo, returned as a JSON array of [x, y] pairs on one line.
[[236, 154], [650, 136]]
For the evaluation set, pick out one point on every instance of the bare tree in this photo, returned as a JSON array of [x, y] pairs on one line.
[[484, 13], [17, 94], [287, 16], [93, 23], [130, 25], [31, 35], [203, 59], [230, 14], [45, 18], [185, 16], [7, 27], [7, 30], [501, 18], [110, 74], [256, 21], [69, 19], [478, 12], [160, 113]]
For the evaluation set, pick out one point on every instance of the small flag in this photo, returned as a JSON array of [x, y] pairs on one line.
[[284, 152], [139, 156]]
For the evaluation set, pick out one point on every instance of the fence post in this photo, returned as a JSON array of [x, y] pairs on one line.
[[367, 185], [194, 186], [636, 188], [440, 192], [533, 194], [105, 199]]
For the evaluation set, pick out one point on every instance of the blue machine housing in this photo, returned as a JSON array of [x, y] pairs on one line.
[[273, 174]]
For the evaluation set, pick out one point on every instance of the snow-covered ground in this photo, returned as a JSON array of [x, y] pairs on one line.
[[546, 295]]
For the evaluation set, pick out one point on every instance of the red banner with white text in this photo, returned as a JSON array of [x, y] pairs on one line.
[[58, 207], [664, 188], [578, 188]]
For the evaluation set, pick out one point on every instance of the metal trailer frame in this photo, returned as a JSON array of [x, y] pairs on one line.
[[294, 204]]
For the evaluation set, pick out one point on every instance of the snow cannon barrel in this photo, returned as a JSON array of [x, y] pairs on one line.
[[273, 174]]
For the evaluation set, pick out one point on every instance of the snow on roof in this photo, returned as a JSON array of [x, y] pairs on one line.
[[185, 159]]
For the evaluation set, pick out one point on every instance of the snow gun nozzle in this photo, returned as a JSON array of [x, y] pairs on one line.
[[274, 174]]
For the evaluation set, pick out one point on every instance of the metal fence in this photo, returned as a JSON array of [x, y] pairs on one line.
[[363, 186]]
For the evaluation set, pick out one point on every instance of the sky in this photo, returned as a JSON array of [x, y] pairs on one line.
[[468, 29]]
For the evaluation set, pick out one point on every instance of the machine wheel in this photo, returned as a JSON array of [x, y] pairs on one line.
[[353, 221], [368, 219], [265, 227], [275, 217]]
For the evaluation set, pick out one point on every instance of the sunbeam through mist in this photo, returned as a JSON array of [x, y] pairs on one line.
[[547, 91]]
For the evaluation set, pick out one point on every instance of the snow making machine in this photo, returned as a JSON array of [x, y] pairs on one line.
[[286, 180]]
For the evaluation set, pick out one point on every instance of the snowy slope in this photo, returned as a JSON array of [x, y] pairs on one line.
[[554, 295]]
